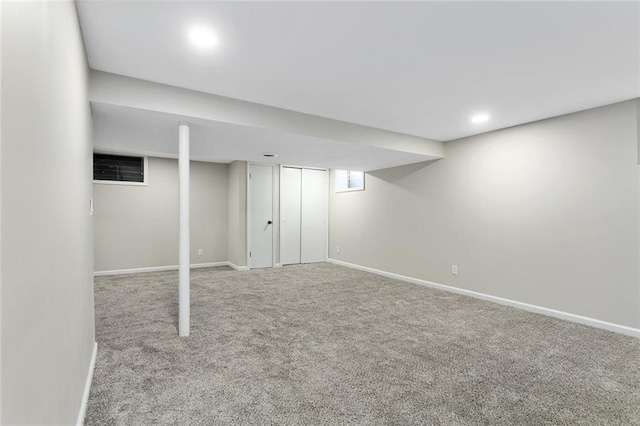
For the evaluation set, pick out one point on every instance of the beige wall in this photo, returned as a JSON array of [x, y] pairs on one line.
[[545, 213], [47, 236], [137, 226], [237, 224]]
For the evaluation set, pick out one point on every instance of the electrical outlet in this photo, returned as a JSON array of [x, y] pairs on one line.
[[454, 269], [338, 249], [200, 252]]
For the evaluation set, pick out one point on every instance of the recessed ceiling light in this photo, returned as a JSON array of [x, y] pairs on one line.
[[480, 118], [269, 155], [202, 37]]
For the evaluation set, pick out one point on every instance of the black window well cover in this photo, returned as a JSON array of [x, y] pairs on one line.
[[119, 168]]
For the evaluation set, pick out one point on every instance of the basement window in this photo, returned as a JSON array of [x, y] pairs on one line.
[[349, 180], [119, 169]]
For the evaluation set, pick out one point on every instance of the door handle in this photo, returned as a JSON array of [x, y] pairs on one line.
[[269, 222]]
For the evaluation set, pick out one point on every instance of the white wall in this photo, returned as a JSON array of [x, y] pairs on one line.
[[47, 235], [545, 213], [137, 226]]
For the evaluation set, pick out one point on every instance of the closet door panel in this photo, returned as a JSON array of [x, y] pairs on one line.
[[290, 215], [314, 216]]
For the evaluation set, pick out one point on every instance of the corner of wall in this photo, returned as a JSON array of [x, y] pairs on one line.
[[483, 209], [638, 195], [237, 218], [1, 3]]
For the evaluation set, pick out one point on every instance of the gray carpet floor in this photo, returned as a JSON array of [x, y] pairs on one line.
[[323, 344]]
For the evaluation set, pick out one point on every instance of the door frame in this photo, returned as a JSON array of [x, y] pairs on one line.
[[326, 254], [273, 211]]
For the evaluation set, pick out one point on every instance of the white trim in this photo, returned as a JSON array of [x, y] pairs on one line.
[[360, 188], [278, 265], [87, 386], [160, 268], [275, 206], [622, 329], [327, 229], [236, 267], [121, 183], [349, 190], [208, 265]]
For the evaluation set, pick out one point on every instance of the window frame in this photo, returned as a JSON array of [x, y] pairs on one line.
[[145, 170], [359, 188]]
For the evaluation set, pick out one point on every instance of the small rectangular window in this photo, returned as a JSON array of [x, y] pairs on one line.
[[122, 169], [349, 180]]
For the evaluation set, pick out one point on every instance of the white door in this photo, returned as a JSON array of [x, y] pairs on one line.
[[261, 221], [290, 199], [315, 189]]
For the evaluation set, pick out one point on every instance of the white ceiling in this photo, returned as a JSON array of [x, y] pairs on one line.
[[419, 68]]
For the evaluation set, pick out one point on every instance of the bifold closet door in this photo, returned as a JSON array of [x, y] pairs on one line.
[[290, 215], [313, 238]]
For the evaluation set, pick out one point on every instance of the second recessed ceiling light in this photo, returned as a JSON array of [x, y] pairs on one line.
[[480, 118], [202, 37]]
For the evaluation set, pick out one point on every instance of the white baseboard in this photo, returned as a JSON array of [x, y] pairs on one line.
[[208, 265], [278, 265], [622, 329], [236, 267], [87, 386], [160, 268]]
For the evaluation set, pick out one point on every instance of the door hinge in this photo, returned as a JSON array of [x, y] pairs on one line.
[[249, 175], [249, 254]]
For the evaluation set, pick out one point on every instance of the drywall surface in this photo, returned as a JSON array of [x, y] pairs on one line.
[[137, 226], [113, 89], [47, 234], [237, 236], [0, 213], [545, 213]]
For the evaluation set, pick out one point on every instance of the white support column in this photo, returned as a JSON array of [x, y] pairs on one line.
[[184, 261]]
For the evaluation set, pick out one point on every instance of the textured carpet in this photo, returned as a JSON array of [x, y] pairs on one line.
[[323, 344]]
